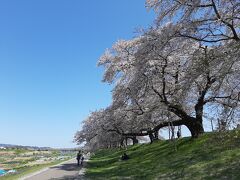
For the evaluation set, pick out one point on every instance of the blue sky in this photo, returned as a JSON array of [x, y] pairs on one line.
[[49, 81]]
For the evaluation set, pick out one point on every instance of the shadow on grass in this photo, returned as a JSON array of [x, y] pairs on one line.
[[201, 158]]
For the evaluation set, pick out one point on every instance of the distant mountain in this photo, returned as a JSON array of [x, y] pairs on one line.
[[24, 147]]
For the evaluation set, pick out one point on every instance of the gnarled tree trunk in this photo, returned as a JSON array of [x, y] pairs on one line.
[[195, 126], [151, 137], [135, 140]]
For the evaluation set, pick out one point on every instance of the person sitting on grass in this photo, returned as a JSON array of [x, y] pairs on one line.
[[124, 157]]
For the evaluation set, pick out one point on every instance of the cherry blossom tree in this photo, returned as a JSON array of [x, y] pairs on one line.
[[208, 21], [172, 71], [182, 71]]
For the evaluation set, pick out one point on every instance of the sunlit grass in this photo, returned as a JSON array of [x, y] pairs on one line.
[[212, 156]]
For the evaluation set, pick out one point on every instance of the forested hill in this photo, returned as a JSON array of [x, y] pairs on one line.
[[212, 156]]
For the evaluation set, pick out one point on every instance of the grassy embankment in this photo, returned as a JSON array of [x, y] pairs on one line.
[[28, 161], [23, 171], [211, 156]]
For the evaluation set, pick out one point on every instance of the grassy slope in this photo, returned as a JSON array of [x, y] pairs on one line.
[[212, 156]]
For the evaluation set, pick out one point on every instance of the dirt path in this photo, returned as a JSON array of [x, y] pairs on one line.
[[68, 170]]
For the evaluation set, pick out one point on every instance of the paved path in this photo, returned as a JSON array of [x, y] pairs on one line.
[[67, 170]]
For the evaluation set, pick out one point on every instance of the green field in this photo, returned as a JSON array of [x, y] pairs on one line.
[[28, 161], [212, 156]]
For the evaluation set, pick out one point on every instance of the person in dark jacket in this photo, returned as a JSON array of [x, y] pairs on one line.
[[82, 159], [79, 156]]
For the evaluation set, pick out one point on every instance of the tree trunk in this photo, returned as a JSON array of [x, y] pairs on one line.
[[122, 142], [135, 140], [156, 135], [195, 126], [151, 137], [172, 131]]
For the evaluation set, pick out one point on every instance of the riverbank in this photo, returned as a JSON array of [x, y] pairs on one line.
[[16, 163]]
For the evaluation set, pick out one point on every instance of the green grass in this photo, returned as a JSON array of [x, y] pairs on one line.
[[211, 156]]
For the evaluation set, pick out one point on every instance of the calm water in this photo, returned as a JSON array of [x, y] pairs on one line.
[[2, 172]]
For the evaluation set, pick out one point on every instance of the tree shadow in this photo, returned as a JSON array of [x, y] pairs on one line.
[[68, 167], [79, 177]]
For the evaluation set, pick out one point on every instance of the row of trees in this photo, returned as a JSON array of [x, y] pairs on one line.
[[183, 70]]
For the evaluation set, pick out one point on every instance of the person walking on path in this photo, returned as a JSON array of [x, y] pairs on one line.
[[82, 159], [79, 157]]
